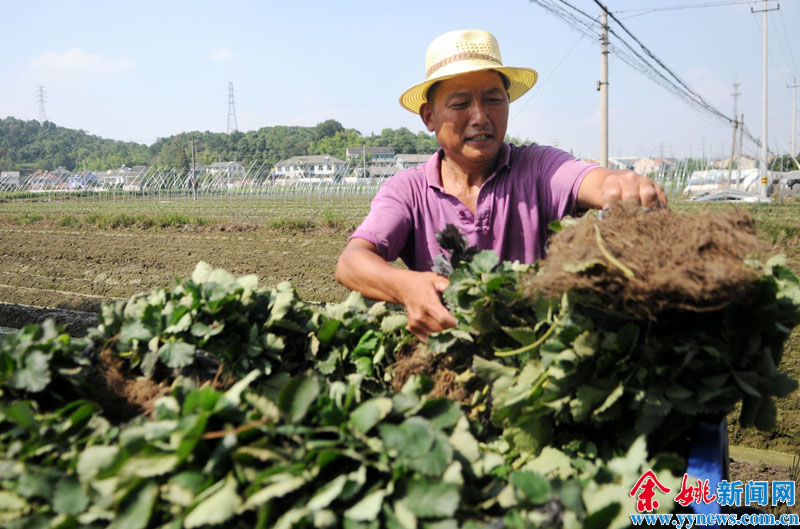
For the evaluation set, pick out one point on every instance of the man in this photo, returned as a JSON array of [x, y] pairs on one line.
[[500, 196]]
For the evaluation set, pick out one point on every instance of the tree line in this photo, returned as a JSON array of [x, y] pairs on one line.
[[28, 146]]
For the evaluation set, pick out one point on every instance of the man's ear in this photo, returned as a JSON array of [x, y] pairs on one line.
[[426, 113]]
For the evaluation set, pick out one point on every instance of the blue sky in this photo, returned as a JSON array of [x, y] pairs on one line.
[[138, 71]]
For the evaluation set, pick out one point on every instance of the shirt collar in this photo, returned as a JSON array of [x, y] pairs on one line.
[[434, 176]]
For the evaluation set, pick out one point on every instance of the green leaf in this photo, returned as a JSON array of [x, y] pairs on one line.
[[135, 330], [587, 398], [436, 460], [22, 414], [610, 400], [328, 329], [234, 393], [297, 395], [176, 354], [278, 489], [535, 487], [441, 413], [428, 499], [485, 261], [327, 493], [367, 508], [136, 508], [10, 502], [216, 508], [34, 375], [413, 438], [367, 344], [95, 459], [69, 497], [370, 413], [490, 370], [149, 465], [393, 323]]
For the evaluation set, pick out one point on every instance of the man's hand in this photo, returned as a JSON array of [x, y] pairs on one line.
[[420, 295], [601, 187], [360, 268]]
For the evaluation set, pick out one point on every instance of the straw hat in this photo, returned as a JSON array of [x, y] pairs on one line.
[[459, 52]]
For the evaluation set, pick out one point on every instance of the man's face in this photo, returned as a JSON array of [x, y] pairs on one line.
[[469, 115]]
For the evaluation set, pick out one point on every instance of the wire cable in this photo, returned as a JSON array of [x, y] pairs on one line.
[[644, 61]]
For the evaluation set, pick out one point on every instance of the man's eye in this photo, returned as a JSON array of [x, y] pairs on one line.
[[458, 104]]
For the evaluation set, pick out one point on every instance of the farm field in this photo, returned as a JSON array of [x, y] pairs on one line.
[[73, 255]]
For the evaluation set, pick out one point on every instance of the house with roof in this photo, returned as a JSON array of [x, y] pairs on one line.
[[374, 155], [50, 180], [372, 162], [310, 166], [404, 161], [82, 180], [231, 169], [129, 178], [651, 166], [224, 174]]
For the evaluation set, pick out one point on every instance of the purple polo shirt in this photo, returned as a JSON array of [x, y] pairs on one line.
[[531, 186]]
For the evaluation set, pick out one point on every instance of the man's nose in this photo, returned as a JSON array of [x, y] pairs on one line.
[[477, 113]]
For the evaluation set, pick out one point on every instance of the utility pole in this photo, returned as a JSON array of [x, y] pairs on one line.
[[764, 167], [602, 87], [736, 94], [794, 115], [733, 150], [741, 136], [41, 99], [194, 176]]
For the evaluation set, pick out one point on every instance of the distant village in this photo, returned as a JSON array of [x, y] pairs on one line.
[[360, 163]]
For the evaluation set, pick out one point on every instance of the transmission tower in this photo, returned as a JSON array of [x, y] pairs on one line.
[[41, 99], [232, 126]]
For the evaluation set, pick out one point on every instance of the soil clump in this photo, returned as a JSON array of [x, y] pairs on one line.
[[645, 264], [421, 361], [123, 395]]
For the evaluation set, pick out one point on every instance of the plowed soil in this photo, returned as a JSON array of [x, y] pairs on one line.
[[77, 269]]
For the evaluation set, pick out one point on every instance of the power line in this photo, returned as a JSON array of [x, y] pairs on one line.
[[637, 55], [648, 10], [693, 94], [784, 48], [791, 53]]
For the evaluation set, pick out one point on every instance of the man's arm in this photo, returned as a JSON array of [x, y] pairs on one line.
[[360, 268], [603, 186]]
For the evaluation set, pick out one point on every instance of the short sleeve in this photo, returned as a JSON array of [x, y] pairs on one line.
[[559, 176], [389, 222]]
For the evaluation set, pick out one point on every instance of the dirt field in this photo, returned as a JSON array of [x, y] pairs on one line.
[[78, 269]]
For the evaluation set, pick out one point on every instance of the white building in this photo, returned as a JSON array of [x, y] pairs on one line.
[[231, 169], [311, 166], [126, 177], [404, 161]]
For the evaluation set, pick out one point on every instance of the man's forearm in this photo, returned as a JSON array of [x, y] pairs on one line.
[[363, 270]]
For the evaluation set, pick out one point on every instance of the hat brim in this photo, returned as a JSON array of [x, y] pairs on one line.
[[520, 81]]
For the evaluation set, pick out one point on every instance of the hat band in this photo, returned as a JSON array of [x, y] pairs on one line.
[[460, 57]]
